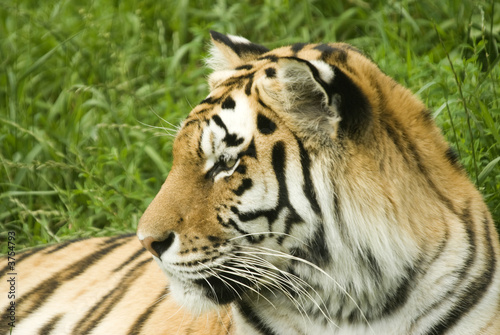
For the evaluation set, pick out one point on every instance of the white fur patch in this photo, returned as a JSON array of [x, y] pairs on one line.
[[238, 121], [238, 39], [325, 70]]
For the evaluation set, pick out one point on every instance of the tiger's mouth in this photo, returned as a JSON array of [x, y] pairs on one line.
[[225, 288], [220, 283]]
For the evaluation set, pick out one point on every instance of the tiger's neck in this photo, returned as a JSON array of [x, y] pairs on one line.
[[356, 268]]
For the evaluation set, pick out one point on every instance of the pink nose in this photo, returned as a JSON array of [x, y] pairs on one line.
[[156, 247]]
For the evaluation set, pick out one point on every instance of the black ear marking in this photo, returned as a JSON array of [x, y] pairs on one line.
[[352, 104], [239, 48]]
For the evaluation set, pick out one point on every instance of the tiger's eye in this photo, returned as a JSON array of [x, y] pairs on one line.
[[230, 163]]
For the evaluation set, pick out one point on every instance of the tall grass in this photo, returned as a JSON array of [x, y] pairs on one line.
[[90, 93]]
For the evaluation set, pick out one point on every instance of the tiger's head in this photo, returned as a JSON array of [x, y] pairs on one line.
[[290, 166]]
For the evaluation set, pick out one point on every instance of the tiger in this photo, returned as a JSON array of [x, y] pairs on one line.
[[310, 193]]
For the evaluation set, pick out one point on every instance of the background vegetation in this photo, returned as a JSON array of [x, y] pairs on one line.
[[84, 87]]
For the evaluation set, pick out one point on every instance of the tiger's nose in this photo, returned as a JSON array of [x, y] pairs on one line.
[[156, 247]]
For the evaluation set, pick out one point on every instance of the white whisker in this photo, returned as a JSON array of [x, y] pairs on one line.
[[270, 252], [265, 268], [269, 233]]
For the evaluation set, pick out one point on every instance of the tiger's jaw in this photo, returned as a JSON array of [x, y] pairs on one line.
[[201, 285]]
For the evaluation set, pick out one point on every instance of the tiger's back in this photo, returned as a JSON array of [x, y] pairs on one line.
[[310, 193], [96, 286]]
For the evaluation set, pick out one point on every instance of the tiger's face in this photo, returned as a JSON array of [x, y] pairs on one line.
[[233, 186], [249, 188]]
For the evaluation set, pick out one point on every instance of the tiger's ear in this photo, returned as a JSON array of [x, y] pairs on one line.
[[319, 99], [230, 51]]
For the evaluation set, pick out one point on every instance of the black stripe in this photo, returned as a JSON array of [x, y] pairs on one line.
[[251, 151], [253, 319], [467, 220], [372, 265], [113, 239], [270, 72], [352, 48], [242, 169], [238, 81], [341, 225], [316, 250], [232, 223], [265, 125], [427, 117], [398, 297], [271, 215], [278, 161], [188, 123], [218, 121], [328, 52], [308, 187], [244, 67], [211, 100], [297, 47], [459, 277], [412, 157], [271, 58], [63, 245], [201, 111], [248, 87], [141, 320], [262, 103], [452, 157], [476, 289], [199, 150], [246, 184], [35, 298], [20, 257], [130, 259], [50, 325], [291, 219], [228, 103], [232, 140], [98, 312], [422, 273]]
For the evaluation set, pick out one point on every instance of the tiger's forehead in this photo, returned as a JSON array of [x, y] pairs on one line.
[[229, 107], [223, 124]]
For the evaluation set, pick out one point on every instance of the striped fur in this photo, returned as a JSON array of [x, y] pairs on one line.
[[309, 194], [98, 286]]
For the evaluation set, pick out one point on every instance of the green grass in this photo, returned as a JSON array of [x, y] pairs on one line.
[[85, 90]]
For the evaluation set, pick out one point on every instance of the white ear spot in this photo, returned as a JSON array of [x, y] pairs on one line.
[[238, 39], [325, 70]]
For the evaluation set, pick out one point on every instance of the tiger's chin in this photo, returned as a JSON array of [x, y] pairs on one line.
[[207, 294], [191, 297]]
